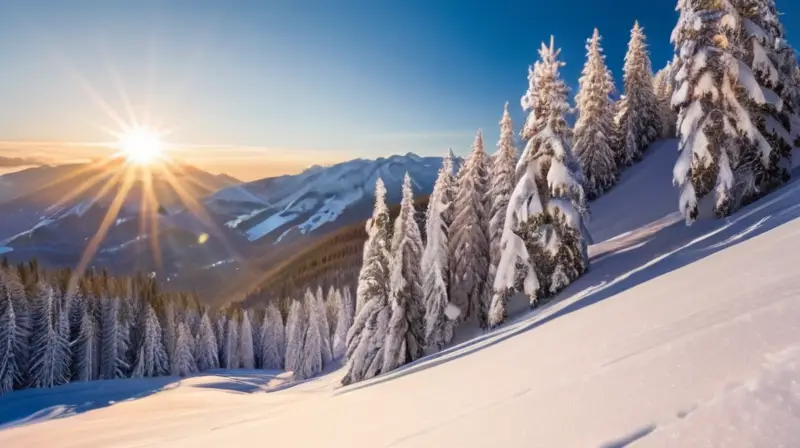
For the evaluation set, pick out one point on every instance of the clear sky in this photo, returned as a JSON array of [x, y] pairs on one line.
[[258, 88]]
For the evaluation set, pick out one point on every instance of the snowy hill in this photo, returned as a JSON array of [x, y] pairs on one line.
[[678, 336], [286, 207]]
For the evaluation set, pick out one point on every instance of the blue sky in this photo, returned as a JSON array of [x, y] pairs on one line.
[[263, 87]]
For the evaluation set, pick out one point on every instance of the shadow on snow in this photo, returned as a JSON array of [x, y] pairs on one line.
[[626, 261]]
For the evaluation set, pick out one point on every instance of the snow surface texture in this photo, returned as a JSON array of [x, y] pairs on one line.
[[677, 336]]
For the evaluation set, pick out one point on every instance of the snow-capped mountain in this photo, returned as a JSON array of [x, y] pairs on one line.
[[319, 199]]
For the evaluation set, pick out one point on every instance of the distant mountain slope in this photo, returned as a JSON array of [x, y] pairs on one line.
[[319, 199]]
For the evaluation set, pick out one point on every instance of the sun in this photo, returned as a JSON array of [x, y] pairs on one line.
[[141, 146]]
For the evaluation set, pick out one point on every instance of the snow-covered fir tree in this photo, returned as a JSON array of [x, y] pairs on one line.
[[207, 354], [323, 326], [13, 332], [152, 359], [405, 341], [595, 126], [469, 239], [713, 123], [436, 261], [50, 356], [761, 44], [220, 331], [184, 362], [246, 350], [313, 343], [114, 341], [448, 180], [344, 320], [273, 340], [87, 349], [548, 203], [664, 87], [296, 325], [366, 336], [638, 115], [231, 348], [376, 248], [169, 330]]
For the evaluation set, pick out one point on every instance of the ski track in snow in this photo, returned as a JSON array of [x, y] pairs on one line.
[[678, 336]]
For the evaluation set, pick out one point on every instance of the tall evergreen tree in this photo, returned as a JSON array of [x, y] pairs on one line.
[[713, 123], [313, 343], [184, 363], [246, 350], [324, 327], [87, 349], [548, 203], [273, 343], [114, 341], [344, 320], [207, 351], [152, 359], [366, 336], [469, 240], [50, 357], [436, 260], [594, 128], [638, 114], [231, 348], [664, 87], [405, 341], [762, 46], [296, 326], [14, 331]]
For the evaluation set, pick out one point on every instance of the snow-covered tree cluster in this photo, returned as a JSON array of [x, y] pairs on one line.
[[109, 328], [735, 95]]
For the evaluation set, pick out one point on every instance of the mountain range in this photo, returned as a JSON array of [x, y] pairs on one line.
[[211, 229]]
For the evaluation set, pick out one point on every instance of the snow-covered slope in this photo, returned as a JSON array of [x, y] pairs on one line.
[[295, 205], [678, 337]]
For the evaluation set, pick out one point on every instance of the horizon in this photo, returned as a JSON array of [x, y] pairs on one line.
[[261, 90]]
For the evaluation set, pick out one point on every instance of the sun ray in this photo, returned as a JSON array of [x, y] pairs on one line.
[[200, 212], [151, 217], [102, 231], [81, 188]]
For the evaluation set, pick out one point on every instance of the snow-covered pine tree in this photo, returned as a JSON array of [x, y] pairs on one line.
[[405, 341], [152, 359], [595, 126], [231, 348], [273, 342], [87, 349], [220, 331], [296, 325], [448, 181], [184, 362], [436, 261], [207, 352], [764, 49], [344, 320], [375, 258], [50, 357], [323, 325], [712, 121], [14, 331], [169, 330], [312, 344], [246, 350], [638, 114], [469, 239], [113, 341], [663, 86], [367, 335], [548, 203]]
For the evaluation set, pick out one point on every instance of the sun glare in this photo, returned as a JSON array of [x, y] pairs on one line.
[[141, 146]]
